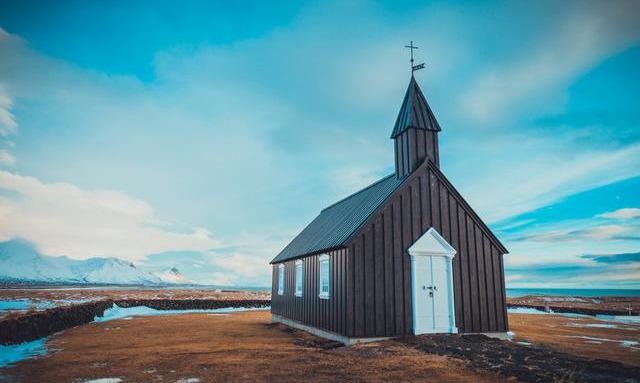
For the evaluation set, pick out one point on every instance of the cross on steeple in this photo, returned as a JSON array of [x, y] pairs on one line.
[[413, 67]]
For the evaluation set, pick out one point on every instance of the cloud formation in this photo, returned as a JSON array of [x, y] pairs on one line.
[[66, 220], [625, 213]]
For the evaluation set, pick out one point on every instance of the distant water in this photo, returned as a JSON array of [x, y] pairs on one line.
[[514, 293]]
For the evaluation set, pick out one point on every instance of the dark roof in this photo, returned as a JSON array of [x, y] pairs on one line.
[[335, 224], [415, 112]]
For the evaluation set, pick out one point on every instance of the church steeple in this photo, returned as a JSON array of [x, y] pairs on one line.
[[415, 132]]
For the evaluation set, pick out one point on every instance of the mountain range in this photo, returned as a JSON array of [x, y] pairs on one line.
[[20, 261]]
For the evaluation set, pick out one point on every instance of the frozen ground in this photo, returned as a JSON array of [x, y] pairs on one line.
[[606, 318], [25, 304], [17, 352], [117, 312]]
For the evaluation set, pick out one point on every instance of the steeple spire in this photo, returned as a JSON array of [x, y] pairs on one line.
[[415, 132]]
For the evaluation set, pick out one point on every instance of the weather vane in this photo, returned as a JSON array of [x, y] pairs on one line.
[[414, 67]]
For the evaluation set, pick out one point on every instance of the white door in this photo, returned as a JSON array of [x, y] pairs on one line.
[[432, 285]]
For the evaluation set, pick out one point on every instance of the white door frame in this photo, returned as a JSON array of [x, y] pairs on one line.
[[431, 244]]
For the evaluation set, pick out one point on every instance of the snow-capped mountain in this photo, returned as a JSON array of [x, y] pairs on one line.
[[21, 261], [172, 275]]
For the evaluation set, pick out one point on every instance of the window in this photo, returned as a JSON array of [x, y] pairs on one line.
[[299, 278], [280, 279], [325, 273]]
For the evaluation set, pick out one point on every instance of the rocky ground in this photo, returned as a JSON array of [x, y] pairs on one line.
[[580, 305], [247, 347]]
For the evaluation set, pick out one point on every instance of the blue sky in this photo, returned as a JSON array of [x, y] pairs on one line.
[[206, 135]]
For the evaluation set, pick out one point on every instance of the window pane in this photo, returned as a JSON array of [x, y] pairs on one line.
[[324, 277]]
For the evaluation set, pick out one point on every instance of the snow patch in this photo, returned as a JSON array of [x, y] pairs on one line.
[[525, 310], [16, 352], [620, 318], [188, 380], [117, 312], [596, 325], [104, 380], [591, 339]]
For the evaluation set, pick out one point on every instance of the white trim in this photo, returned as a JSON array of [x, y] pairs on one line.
[[295, 274], [431, 244], [422, 248], [324, 258], [281, 279]]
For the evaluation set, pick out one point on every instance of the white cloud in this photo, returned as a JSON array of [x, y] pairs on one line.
[[243, 265], [8, 124], [578, 41], [626, 213], [6, 158], [63, 219], [598, 233]]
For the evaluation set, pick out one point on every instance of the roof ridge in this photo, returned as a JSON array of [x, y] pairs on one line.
[[358, 192]]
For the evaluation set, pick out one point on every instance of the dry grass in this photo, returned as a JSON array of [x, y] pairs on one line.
[[565, 334], [241, 347]]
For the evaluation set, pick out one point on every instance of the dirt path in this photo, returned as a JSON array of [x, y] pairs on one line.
[[241, 347]]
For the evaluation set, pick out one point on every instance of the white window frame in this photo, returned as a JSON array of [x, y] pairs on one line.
[[323, 262], [299, 277], [281, 279]]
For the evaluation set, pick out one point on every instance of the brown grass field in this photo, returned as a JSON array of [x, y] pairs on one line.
[[246, 347], [241, 347]]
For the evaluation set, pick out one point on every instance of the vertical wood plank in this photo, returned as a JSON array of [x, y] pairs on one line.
[[424, 201], [359, 294], [491, 304], [379, 282], [416, 210], [397, 265], [503, 295], [444, 213], [456, 264], [420, 148], [473, 276], [407, 238], [435, 202], [482, 282], [369, 286], [388, 272], [351, 292]]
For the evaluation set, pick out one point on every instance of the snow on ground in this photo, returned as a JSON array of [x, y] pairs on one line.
[[525, 310], [104, 380], [188, 380], [117, 312], [17, 352], [23, 304], [620, 318], [591, 339], [631, 319], [597, 325]]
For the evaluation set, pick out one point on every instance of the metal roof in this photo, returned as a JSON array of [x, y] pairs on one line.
[[414, 112], [336, 223]]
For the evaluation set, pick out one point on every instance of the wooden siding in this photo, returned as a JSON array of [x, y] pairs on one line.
[[328, 314], [381, 268], [371, 277], [413, 147]]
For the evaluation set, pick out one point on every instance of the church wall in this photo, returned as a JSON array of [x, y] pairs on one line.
[[379, 296], [371, 277], [328, 314]]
